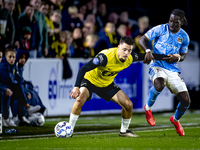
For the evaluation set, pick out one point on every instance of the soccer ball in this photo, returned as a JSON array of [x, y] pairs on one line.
[[37, 119], [63, 130]]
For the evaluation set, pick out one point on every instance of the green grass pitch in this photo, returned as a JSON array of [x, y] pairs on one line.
[[101, 132]]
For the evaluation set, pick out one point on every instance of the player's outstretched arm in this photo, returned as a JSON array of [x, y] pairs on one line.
[[100, 60]]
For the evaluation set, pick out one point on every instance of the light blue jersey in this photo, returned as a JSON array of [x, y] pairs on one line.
[[166, 43]]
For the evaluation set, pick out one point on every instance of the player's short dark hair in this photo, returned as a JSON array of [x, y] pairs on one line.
[[181, 14], [127, 40], [9, 48]]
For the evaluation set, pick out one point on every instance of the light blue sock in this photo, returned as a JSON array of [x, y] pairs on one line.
[[180, 111], [153, 94]]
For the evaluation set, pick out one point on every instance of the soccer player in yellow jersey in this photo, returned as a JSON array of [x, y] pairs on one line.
[[97, 76]]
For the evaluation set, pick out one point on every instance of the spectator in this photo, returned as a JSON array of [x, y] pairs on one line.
[[123, 18], [107, 38], [43, 49], [44, 8], [89, 6], [27, 19], [113, 17], [75, 20], [69, 39], [88, 28], [10, 5], [109, 32], [26, 36], [121, 31], [101, 16], [7, 28], [51, 8], [32, 97], [57, 4], [11, 87], [91, 18], [82, 9], [55, 17], [89, 44], [143, 27], [59, 47], [77, 42]]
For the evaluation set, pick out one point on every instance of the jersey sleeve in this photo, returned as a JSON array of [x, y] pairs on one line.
[[184, 46], [99, 60], [154, 32]]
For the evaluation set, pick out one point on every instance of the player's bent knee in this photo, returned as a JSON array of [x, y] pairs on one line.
[[129, 105], [186, 102], [81, 99]]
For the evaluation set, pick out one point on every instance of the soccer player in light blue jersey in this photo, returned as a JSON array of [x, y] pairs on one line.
[[170, 39]]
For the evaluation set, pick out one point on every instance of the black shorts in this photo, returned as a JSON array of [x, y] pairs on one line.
[[104, 92]]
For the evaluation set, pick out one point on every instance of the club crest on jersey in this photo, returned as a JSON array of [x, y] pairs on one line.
[[95, 61], [180, 40]]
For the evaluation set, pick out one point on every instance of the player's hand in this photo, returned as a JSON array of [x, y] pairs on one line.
[[148, 57], [75, 93], [9, 92], [173, 58]]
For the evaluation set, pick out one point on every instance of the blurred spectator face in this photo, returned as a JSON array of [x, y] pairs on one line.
[[55, 17], [10, 57], [1, 55], [124, 17], [143, 22], [27, 36], [89, 5], [122, 30], [90, 18], [110, 27], [102, 9], [88, 29], [1, 2], [113, 17], [73, 11], [29, 11], [83, 9], [90, 42], [36, 4], [10, 5], [44, 9], [62, 39], [77, 34], [68, 38], [22, 59]]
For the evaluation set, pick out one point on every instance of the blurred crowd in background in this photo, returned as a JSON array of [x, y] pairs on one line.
[[61, 28]]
